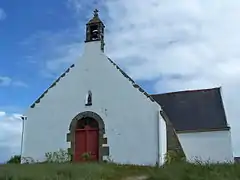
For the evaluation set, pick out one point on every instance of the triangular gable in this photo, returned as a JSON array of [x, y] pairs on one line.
[[114, 64]]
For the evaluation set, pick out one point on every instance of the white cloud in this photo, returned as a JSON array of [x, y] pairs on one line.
[[10, 135], [3, 15], [7, 81], [53, 66], [195, 39], [20, 84], [2, 113], [55, 50]]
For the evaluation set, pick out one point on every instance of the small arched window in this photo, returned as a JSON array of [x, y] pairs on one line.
[[88, 101]]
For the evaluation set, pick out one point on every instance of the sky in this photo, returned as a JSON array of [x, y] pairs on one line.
[[164, 45]]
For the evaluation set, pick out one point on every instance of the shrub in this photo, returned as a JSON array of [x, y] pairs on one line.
[[14, 160], [174, 156], [60, 156], [86, 156], [28, 160], [108, 159]]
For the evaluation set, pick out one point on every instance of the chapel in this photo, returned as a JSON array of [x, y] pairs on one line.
[[94, 108]]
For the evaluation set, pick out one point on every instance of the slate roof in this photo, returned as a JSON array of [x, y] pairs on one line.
[[237, 159], [196, 110], [95, 18]]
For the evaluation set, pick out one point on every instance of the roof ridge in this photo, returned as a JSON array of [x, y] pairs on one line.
[[52, 85], [192, 90]]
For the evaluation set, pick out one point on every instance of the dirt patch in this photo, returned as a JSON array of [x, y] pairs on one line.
[[137, 178]]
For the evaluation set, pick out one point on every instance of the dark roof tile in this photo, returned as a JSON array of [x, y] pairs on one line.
[[237, 159], [194, 110]]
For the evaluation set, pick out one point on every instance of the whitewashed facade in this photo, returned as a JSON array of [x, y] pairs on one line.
[[132, 122]]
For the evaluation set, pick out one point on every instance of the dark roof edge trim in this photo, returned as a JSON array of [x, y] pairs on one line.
[[205, 130], [135, 85], [222, 104], [114, 64], [165, 116], [194, 90], [52, 85]]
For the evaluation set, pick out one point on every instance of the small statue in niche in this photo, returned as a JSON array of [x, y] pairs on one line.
[[89, 99]]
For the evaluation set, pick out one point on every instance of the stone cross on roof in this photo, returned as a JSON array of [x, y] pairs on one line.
[[95, 12]]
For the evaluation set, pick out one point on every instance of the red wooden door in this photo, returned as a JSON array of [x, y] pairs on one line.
[[80, 144], [86, 141]]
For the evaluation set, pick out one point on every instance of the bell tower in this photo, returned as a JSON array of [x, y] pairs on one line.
[[95, 30]]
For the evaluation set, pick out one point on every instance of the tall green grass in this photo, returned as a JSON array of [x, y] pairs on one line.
[[58, 167], [98, 171]]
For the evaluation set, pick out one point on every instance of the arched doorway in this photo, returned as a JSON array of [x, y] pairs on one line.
[[86, 140], [87, 121]]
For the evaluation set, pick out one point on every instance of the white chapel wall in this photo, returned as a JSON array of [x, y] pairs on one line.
[[130, 118], [214, 146]]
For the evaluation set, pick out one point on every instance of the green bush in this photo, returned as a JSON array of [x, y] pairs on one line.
[[14, 160], [61, 156], [27, 160], [174, 156], [86, 156]]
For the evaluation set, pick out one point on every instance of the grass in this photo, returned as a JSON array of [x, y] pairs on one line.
[[106, 171]]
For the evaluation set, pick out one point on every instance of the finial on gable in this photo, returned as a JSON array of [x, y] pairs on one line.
[[95, 30], [95, 13], [95, 19]]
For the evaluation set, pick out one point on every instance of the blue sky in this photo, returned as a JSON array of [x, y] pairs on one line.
[[28, 36], [164, 46], [23, 21], [39, 40]]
